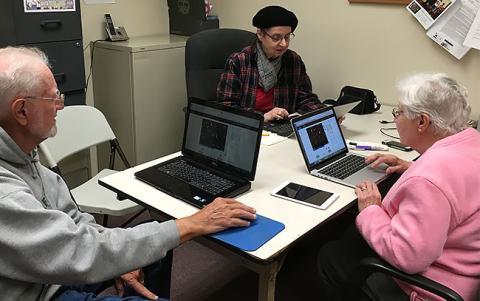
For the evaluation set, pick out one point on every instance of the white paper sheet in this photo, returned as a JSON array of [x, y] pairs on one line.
[[269, 138], [47, 6], [428, 12], [473, 36], [452, 28]]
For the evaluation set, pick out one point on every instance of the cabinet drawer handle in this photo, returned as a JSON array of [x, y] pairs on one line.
[[59, 77], [51, 24]]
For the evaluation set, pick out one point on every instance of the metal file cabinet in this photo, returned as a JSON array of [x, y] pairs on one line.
[[58, 34], [139, 85]]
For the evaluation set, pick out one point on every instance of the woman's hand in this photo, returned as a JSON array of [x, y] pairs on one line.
[[367, 194], [275, 114], [395, 164]]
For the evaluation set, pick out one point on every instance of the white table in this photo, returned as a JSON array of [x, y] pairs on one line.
[[276, 164]]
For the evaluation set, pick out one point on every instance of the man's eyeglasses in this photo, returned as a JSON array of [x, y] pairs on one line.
[[59, 100], [277, 38], [396, 112]]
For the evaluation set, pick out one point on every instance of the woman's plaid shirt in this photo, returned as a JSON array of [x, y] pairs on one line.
[[293, 90]]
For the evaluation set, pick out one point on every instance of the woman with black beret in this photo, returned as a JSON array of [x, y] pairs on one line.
[[268, 77]]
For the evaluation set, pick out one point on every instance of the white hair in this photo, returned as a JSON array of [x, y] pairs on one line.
[[17, 76], [438, 96]]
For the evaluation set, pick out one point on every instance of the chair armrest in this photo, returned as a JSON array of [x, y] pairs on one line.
[[375, 265]]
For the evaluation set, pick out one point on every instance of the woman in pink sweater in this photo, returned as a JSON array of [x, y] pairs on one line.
[[429, 222]]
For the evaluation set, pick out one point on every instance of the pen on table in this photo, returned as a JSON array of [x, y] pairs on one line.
[[265, 134], [366, 147], [356, 146]]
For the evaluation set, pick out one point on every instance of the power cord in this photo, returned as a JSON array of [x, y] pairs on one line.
[[382, 130], [92, 49]]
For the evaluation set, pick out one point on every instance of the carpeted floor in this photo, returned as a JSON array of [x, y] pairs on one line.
[[200, 274]]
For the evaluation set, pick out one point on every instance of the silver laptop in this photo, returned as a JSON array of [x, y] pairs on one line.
[[326, 153]]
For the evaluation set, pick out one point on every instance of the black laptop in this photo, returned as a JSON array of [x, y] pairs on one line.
[[219, 155], [281, 127]]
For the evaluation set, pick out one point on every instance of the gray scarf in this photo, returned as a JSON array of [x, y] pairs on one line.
[[267, 69]]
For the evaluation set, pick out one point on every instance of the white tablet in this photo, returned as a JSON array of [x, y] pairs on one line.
[[305, 195], [341, 110]]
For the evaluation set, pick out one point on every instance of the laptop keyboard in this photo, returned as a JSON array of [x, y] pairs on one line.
[[281, 128], [345, 167], [197, 177]]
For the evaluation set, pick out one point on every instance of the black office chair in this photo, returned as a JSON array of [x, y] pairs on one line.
[[206, 53], [372, 265]]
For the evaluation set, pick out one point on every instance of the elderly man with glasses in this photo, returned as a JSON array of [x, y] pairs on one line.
[[267, 77], [52, 251]]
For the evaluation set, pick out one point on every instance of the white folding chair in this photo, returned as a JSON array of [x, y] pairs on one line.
[[79, 128]]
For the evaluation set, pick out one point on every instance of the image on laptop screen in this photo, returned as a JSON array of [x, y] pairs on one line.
[[223, 137], [320, 137]]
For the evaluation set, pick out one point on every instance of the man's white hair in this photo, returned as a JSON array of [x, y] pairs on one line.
[[438, 96], [17, 76]]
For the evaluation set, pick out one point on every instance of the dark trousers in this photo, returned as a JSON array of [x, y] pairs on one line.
[[157, 280], [297, 280], [336, 263]]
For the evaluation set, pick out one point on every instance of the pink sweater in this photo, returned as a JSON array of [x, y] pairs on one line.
[[429, 222]]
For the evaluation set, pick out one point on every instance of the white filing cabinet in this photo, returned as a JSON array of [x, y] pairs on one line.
[[139, 85]]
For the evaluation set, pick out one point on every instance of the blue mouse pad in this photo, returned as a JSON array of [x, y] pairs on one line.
[[261, 230]]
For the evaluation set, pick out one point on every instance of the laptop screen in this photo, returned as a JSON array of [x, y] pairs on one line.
[[319, 136], [223, 137]]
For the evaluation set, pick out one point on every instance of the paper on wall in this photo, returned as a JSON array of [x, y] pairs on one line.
[[428, 11], [47, 6], [473, 36], [451, 30]]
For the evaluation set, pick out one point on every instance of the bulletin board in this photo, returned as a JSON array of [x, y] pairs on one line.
[[381, 1]]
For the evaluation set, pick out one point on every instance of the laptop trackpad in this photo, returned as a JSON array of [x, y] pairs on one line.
[[368, 174]]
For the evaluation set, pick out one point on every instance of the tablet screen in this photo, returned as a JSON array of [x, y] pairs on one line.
[[305, 194]]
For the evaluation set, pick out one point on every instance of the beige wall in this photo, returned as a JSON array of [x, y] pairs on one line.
[[367, 45], [140, 17]]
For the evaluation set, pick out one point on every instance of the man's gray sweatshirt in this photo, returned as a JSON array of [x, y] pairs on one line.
[[46, 242]]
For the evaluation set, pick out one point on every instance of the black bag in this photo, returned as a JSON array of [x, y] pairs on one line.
[[369, 102]]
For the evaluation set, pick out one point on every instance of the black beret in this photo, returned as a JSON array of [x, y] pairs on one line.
[[274, 16]]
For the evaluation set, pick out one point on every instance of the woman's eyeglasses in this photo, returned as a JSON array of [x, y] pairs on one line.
[[396, 112], [277, 38]]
